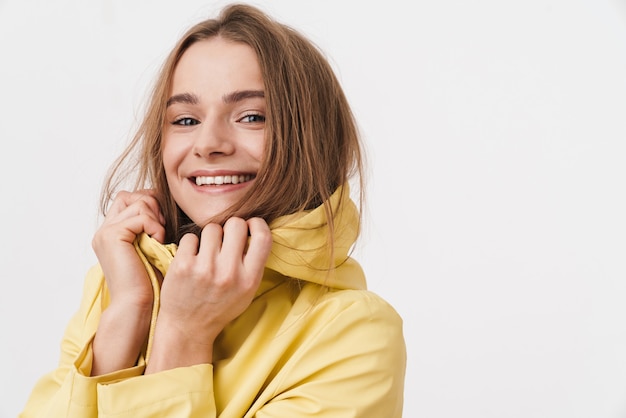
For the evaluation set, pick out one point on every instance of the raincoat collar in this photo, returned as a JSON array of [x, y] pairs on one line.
[[300, 248]]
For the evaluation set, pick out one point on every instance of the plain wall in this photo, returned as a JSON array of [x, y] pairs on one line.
[[496, 221]]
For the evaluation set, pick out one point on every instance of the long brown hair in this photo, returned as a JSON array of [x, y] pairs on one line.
[[311, 138]]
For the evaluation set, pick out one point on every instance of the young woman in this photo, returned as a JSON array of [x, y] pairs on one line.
[[224, 286]]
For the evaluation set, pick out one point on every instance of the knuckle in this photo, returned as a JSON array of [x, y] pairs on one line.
[[212, 229], [235, 224]]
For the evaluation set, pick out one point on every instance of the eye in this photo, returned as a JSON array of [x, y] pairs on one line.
[[186, 122], [253, 118]]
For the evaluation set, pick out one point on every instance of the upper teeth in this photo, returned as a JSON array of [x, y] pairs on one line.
[[202, 180]]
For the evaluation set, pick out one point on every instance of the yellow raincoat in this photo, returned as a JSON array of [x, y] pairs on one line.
[[319, 346]]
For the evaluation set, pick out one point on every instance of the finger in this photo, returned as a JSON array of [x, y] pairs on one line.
[[188, 246], [154, 228], [149, 196], [135, 225], [259, 246], [125, 199], [125, 208], [143, 220], [211, 240], [120, 202], [235, 239]]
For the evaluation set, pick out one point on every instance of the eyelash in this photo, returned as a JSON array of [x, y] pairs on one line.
[[260, 118], [187, 121]]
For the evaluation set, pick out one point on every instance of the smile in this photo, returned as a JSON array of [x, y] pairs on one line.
[[219, 180]]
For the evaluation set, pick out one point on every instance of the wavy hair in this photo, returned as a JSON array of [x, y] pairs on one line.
[[312, 143]]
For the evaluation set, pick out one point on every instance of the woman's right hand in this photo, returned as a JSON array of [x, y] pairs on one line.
[[125, 323], [130, 214]]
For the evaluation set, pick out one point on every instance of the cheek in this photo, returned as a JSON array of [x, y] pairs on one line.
[[171, 158], [256, 150]]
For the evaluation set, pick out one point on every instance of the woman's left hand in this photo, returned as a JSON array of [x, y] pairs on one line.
[[210, 282]]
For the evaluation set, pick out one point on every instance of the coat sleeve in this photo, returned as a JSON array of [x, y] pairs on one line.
[[69, 391]]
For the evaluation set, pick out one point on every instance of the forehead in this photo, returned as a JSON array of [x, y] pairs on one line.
[[217, 64]]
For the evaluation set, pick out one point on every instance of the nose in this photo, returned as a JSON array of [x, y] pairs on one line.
[[213, 139]]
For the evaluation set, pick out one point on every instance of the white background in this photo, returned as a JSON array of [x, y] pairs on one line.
[[496, 220]]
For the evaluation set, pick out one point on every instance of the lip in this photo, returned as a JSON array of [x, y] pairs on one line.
[[212, 173]]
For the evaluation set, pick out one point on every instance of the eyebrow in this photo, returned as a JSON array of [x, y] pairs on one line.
[[236, 96], [186, 98]]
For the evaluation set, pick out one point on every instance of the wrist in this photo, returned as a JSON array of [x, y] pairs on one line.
[[173, 346], [121, 334]]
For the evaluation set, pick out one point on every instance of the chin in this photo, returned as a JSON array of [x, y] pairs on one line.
[[204, 219]]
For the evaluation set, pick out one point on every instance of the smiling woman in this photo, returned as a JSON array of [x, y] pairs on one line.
[[224, 284]]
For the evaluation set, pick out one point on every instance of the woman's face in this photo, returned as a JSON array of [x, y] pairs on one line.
[[213, 141]]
